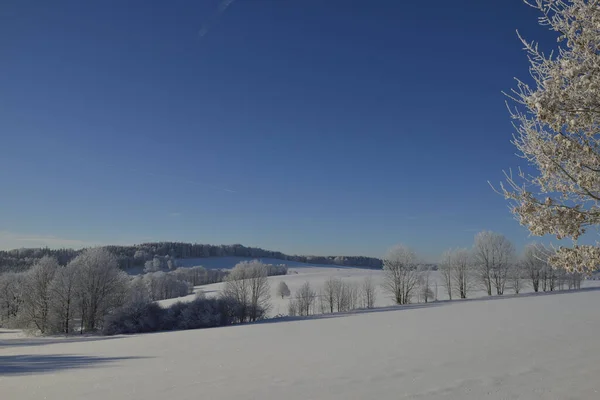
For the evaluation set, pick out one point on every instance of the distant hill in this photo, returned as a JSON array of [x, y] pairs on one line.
[[137, 255]]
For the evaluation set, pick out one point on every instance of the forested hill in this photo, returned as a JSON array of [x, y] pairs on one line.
[[137, 255]]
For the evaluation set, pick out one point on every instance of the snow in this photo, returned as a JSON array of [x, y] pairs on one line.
[[230, 262], [317, 275], [531, 347]]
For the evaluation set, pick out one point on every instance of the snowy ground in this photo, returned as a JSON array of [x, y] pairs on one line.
[[536, 347], [317, 275]]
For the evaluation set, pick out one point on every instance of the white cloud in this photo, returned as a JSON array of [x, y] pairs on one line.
[[12, 240]]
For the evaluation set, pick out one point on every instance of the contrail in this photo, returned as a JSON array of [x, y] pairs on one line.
[[223, 4]]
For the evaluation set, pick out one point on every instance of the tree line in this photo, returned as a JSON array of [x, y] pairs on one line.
[[139, 255], [245, 298], [91, 293], [491, 266]]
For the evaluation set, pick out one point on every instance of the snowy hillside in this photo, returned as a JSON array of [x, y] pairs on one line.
[[539, 347], [318, 275]]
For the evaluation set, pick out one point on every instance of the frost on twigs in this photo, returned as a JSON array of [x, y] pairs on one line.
[[557, 123]]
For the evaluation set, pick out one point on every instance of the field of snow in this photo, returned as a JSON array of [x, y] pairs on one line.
[[296, 277], [317, 275], [230, 262], [536, 347]]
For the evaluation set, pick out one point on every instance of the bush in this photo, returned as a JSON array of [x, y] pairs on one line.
[[150, 317], [135, 318]]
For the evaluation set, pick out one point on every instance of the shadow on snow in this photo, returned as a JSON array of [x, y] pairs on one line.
[[29, 342], [38, 364]]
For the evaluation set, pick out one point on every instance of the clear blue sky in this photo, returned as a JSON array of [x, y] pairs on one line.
[[306, 126]]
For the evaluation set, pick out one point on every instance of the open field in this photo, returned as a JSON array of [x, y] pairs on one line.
[[531, 347], [317, 275]]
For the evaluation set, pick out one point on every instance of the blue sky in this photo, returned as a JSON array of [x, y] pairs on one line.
[[312, 127]]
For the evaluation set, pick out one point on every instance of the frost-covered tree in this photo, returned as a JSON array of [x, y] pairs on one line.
[[368, 292], [350, 295], [493, 256], [283, 290], [534, 261], [446, 269], [100, 286], [401, 274], [304, 299], [549, 278], [247, 285], [293, 308], [63, 298], [459, 265], [557, 120], [516, 276], [260, 290], [332, 294], [425, 291], [163, 285], [11, 297], [37, 294]]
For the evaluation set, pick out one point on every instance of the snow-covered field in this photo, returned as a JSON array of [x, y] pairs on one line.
[[317, 275], [537, 347]]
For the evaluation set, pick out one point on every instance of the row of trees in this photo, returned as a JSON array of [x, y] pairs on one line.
[[336, 295], [139, 317], [162, 255], [245, 298], [49, 297], [491, 265], [91, 288]]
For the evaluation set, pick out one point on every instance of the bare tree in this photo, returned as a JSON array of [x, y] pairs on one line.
[[321, 304], [100, 286], [446, 271], [493, 255], [248, 286], [62, 291], [283, 290], [331, 293], [37, 294], [350, 295], [166, 285], [425, 291], [401, 274], [461, 272], [292, 308], [237, 289], [533, 261], [549, 278], [368, 292], [11, 296], [516, 276], [260, 291], [574, 280], [305, 297]]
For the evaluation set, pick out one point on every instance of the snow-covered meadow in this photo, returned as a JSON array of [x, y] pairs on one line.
[[298, 274], [317, 275], [531, 347]]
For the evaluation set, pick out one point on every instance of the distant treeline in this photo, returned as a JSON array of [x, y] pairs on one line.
[[138, 255]]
